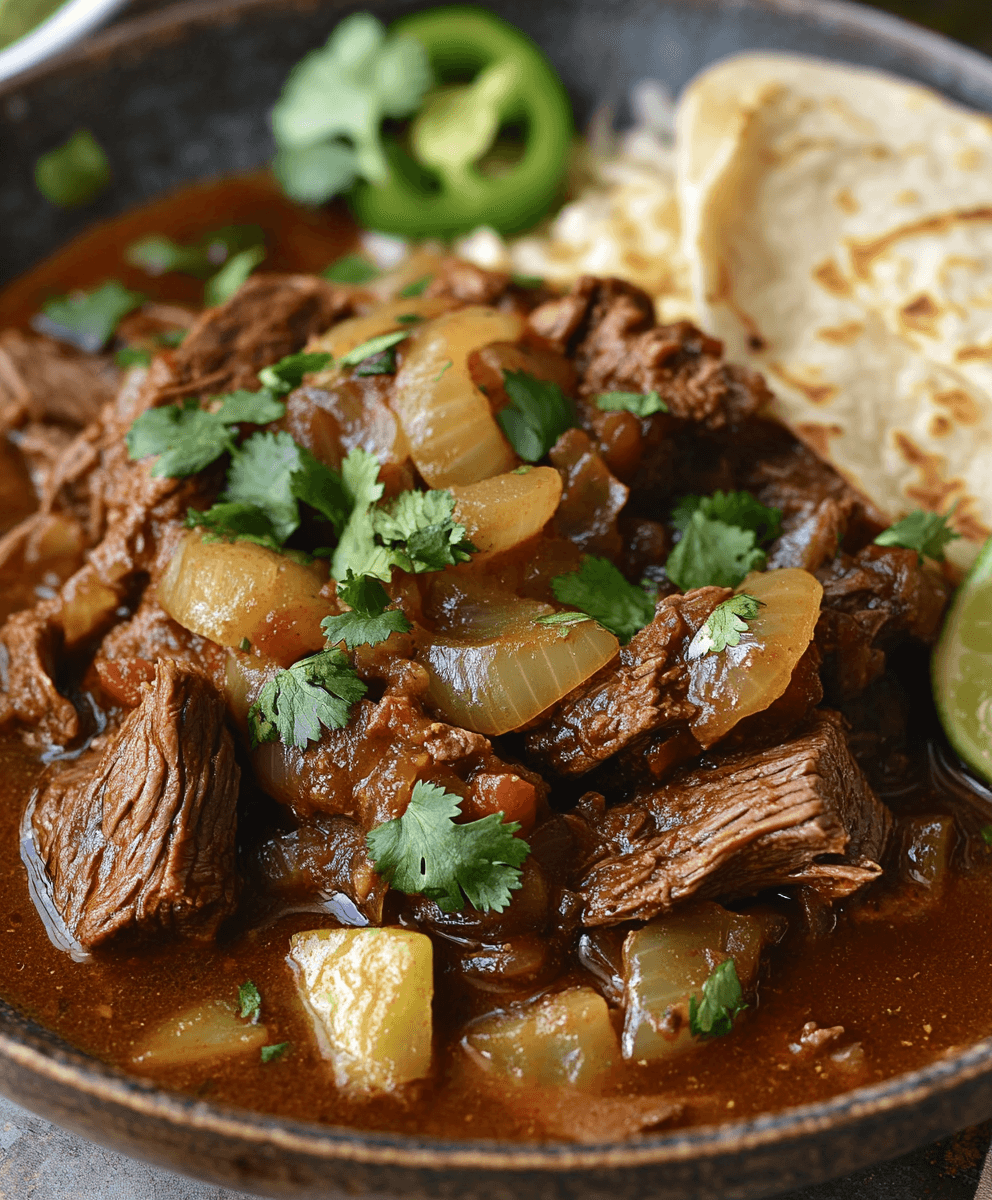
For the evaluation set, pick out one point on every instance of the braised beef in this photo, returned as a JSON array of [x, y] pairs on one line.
[[796, 813], [45, 380], [139, 838]]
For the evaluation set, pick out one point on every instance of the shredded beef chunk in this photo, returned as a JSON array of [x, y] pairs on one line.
[[798, 813], [44, 380], [140, 839], [641, 691]]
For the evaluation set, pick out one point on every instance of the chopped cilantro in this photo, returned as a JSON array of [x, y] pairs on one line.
[[244, 645], [599, 590], [417, 287], [712, 552], [732, 508], [383, 363], [409, 318], [724, 626], [438, 377], [925, 532], [158, 255], [563, 622], [641, 404], [322, 488], [276, 1050], [528, 281], [327, 120], [316, 691], [424, 852], [352, 268], [373, 346], [261, 473], [288, 372], [74, 173], [222, 286], [370, 621], [87, 319], [133, 356], [172, 337], [538, 414], [250, 1002], [722, 1001], [237, 522], [357, 550], [188, 438], [420, 531], [986, 834]]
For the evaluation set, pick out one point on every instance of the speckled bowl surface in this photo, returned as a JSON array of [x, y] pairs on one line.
[[182, 95]]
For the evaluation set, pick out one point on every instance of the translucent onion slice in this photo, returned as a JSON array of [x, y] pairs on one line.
[[347, 335], [748, 677], [502, 512], [506, 670], [453, 435], [230, 591]]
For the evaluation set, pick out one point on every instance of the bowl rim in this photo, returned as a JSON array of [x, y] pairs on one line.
[[41, 1053], [50, 37]]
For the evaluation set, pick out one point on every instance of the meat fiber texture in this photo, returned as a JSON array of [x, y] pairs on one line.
[[140, 838], [798, 813]]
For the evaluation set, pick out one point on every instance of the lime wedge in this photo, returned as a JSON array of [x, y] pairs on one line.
[[962, 668]]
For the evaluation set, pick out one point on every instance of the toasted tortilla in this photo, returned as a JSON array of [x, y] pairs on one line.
[[838, 223]]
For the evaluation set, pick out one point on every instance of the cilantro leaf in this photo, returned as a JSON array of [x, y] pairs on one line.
[[276, 1050], [357, 550], [374, 346], [417, 287], [87, 319], [237, 522], [250, 1002], [261, 474], [599, 590], [733, 508], [925, 532], [370, 621], [249, 408], [222, 286], [986, 834], [316, 691], [383, 363], [641, 404], [185, 437], [133, 356], [528, 281], [74, 173], [722, 1001], [288, 372], [352, 268], [424, 852], [157, 254], [327, 120], [712, 552], [724, 626], [322, 488], [420, 530], [539, 413]]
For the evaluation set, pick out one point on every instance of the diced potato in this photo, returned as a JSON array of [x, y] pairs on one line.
[[207, 1031], [669, 960], [229, 591], [504, 511], [563, 1038], [369, 993]]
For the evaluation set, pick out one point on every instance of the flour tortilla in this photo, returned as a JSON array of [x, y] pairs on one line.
[[838, 223]]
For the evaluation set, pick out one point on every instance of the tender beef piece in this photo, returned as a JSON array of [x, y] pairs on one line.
[[872, 601], [591, 499], [456, 279], [45, 380], [641, 691], [139, 839], [608, 328], [796, 813]]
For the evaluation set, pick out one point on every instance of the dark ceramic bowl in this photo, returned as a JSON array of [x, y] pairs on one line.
[[182, 95]]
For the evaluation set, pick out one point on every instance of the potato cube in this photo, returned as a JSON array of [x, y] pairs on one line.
[[369, 993]]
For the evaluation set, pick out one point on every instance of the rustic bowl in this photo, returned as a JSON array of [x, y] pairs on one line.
[[182, 94]]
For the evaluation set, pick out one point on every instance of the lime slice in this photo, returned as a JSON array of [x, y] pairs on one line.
[[962, 668]]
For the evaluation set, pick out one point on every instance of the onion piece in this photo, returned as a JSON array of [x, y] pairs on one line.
[[501, 512], [347, 335], [198, 1035], [492, 667], [747, 678], [453, 435], [229, 591]]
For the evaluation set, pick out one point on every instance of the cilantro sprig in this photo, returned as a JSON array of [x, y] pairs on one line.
[[288, 372], [538, 414], [601, 592], [925, 532], [424, 852], [249, 1002], [74, 173], [276, 1050], [318, 691], [351, 268], [641, 404], [370, 620], [724, 626], [722, 1000], [87, 319], [157, 254], [723, 536]]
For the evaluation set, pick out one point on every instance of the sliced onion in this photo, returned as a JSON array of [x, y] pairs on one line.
[[347, 335], [453, 435], [230, 591], [500, 669], [204, 1032], [747, 678], [502, 512]]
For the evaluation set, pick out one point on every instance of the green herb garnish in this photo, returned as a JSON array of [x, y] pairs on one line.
[[538, 414], [925, 532], [370, 621], [250, 1002], [88, 319], [352, 268], [601, 592], [425, 853], [222, 286], [376, 345], [722, 1001], [158, 255], [133, 356], [986, 834], [724, 626], [288, 372], [417, 288], [641, 404], [314, 692], [74, 173], [276, 1050], [722, 539]]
